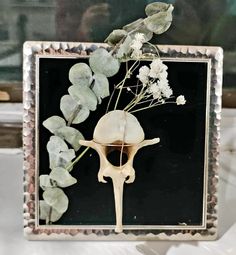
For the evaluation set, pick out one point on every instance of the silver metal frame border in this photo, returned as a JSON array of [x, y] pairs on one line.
[[33, 51]]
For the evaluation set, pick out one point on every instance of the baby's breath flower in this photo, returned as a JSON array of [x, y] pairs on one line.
[[140, 37], [165, 88], [136, 54], [143, 74], [158, 69], [163, 75], [155, 91], [180, 100], [136, 45], [153, 88]]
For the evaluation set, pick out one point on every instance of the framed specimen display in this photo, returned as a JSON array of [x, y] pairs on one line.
[[122, 150]]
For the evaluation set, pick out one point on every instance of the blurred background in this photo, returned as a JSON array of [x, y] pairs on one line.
[[202, 22]]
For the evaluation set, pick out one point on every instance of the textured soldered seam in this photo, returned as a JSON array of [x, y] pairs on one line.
[[60, 48]]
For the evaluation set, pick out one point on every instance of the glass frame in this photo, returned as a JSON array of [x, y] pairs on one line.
[[33, 51]]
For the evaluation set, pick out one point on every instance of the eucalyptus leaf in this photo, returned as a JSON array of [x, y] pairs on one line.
[[124, 49], [62, 159], [71, 135], [59, 154], [143, 30], [62, 177], [54, 160], [46, 211], [156, 7], [115, 36], [133, 25], [80, 74], [158, 23], [56, 198], [53, 123], [101, 86], [101, 61], [66, 157], [83, 96], [45, 182], [72, 110], [56, 145]]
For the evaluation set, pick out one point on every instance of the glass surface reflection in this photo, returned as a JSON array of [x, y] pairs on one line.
[[203, 22]]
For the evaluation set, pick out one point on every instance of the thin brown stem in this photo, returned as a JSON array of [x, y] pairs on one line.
[[154, 105], [109, 102], [128, 73]]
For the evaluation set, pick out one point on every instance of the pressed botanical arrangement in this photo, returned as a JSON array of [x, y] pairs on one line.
[[118, 129]]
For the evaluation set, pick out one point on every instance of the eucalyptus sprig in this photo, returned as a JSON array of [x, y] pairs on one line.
[[89, 86]]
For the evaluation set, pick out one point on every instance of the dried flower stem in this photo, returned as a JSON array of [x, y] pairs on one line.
[[122, 83], [154, 105], [78, 158]]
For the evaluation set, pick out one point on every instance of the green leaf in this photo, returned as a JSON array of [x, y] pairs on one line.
[[59, 154], [138, 26], [62, 159], [133, 25], [65, 157], [56, 145], [56, 198], [101, 61], [101, 86], [115, 36], [80, 74], [156, 7], [83, 96], [62, 177], [124, 49], [45, 182], [143, 30], [158, 23], [71, 135], [72, 110], [53, 123], [44, 212]]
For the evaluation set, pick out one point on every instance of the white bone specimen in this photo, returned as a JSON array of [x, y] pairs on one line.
[[118, 130]]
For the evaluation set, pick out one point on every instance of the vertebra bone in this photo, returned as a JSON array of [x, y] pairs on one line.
[[111, 136]]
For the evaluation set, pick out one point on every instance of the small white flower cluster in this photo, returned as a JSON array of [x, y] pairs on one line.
[[155, 79], [137, 44], [180, 100]]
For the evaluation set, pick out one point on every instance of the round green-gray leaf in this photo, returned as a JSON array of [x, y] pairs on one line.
[[72, 111], [80, 74], [71, 135], [45, 211], [158, 23], [156, 7], [45, 182], [56, 198], [124, 49], [101, 86], [62, 177], [56, 145], [138, 26], [133, 25], [115, 36], [53, 123], [83, 96], [101, 61], [62, 159]]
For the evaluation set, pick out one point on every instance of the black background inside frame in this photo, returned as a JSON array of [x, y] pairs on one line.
[[168, 189]]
